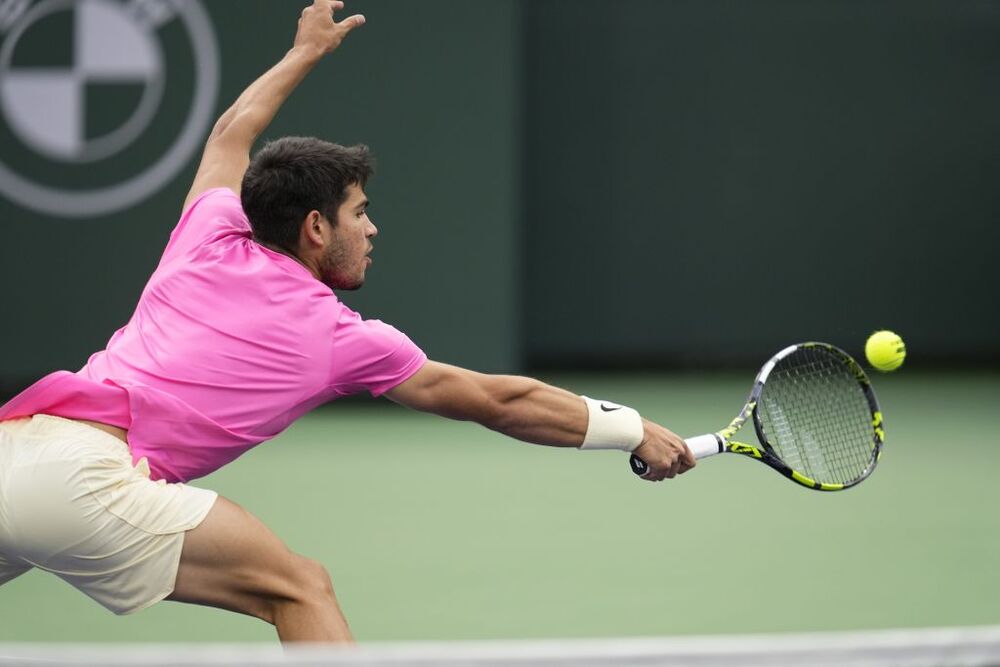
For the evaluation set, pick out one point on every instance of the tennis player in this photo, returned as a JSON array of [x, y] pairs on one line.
[[238, 333]]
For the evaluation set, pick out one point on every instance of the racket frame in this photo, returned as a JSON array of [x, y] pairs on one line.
[[765, 453]]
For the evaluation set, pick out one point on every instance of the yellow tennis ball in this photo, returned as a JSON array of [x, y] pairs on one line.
[[885, 351]]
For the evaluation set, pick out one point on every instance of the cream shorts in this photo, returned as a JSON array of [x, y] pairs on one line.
[[71, 503]]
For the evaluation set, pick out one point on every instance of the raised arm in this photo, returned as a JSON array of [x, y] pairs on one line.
[[227, 151], [535, 412]]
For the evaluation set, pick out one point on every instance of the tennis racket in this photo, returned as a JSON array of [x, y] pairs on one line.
[[816, 416]]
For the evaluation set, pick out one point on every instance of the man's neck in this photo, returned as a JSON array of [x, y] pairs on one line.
[[287, 253]]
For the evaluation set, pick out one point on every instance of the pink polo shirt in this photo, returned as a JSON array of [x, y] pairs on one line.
[[230, 343]]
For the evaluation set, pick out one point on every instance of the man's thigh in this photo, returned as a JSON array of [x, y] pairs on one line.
[[233, 561], [76, 507]]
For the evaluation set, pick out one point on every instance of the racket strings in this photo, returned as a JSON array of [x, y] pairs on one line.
[[816, 417], [821, 448], [842, 388]]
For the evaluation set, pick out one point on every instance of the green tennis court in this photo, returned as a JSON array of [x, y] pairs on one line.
[[441, 530]]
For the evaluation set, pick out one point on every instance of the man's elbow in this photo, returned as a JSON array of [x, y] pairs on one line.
[[221, 125], [236, 130]]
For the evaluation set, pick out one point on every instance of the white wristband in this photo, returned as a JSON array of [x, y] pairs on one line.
[[612, 426]]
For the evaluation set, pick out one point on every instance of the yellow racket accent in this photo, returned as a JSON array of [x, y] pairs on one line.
[[743, 448], [807, 481], [877, 425]]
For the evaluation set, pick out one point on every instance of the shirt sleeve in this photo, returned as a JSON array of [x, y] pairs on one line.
[[216, 213], [372, 356]]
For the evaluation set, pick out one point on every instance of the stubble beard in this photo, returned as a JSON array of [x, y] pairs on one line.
[[332, 269]]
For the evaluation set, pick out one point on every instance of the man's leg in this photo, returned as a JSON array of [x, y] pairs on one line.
[[233, 561]]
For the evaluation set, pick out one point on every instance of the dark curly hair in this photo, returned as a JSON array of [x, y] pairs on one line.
[[291, 176]]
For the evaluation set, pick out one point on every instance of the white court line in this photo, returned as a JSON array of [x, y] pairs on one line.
[[930, 647]]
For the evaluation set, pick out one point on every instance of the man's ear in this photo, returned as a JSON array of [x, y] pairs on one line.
[[314, 230]]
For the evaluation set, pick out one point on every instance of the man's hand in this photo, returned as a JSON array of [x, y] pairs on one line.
[[318, 31], [664, 452], [227, 151]]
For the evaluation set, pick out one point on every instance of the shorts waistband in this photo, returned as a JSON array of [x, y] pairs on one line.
[[42, 424]]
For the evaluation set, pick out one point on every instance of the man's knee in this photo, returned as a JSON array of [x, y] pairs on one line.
[[306, 582], [315, 580]]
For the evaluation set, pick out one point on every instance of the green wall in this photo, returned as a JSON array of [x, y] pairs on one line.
[[712, 179]]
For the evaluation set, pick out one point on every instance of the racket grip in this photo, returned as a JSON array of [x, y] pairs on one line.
[[702, 446]]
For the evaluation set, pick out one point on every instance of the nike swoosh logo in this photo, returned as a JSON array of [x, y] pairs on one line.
[[607, 409]]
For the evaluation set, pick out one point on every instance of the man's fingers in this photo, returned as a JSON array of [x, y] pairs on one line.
[[352, 22], [651, 475], [667, 458], [328, 7], [665, 470], [689, 460]]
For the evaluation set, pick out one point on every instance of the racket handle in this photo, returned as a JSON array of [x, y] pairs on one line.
[[702, 446]]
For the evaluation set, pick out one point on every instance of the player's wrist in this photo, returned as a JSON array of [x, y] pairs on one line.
[[612, 426], [308, 53]]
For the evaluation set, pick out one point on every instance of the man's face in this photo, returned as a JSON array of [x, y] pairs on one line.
[[346, 259]]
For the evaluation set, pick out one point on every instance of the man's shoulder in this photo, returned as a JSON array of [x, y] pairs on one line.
[[214, 201], [214, 211], [351, 327]]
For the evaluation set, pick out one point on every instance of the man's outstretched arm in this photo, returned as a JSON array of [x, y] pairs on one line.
[[536, 412], [227, 151]]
